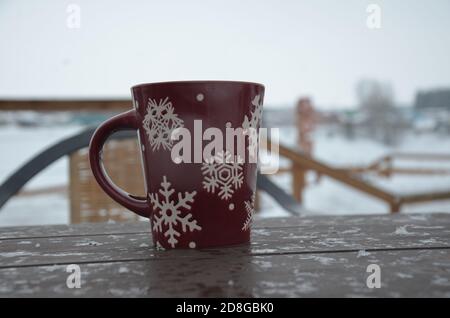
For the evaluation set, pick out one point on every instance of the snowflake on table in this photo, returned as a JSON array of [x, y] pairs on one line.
[[159, 123], [250, 125], [250, 209], [168, 218], [223, 173]]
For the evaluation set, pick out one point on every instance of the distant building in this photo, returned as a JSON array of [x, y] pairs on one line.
[[434, 99]]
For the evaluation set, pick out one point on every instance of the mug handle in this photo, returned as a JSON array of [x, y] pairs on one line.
[[124, 121]]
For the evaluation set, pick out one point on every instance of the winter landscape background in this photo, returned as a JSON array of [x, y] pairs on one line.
[[382, 72], [325, 197]]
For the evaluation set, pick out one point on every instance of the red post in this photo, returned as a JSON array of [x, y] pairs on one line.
[[305, 125]]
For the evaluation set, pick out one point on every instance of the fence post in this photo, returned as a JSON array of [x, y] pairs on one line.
[[305, 120], [257, 201], [305, 125], [395, 206], [298, 182]]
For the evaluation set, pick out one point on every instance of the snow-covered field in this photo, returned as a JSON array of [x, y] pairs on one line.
[[326, 197], [18, 145], [331, 197]]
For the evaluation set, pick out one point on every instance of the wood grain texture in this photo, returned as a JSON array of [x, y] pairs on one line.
[[288, 257], [403, 273]]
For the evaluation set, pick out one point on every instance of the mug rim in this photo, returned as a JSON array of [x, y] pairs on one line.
[[141, 85]]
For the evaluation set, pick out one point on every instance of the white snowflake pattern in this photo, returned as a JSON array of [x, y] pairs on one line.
[[256, 114], [168, 217], [159, 123], [250, 209], [224, 173], [250, 126], [159, 247]]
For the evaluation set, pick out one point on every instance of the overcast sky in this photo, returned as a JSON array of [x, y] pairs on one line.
[[317, 48]]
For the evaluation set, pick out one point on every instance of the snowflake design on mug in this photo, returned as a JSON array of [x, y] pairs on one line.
[[250, 209], [168, 217], [223, 173], [250, 126], [256, 114], [159, 123]]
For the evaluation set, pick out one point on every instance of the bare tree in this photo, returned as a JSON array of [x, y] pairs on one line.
[[382, 121]]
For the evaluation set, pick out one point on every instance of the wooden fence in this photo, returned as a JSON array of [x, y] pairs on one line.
[[300, 163]]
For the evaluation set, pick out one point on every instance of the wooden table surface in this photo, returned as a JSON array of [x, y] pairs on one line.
[[288, 257]]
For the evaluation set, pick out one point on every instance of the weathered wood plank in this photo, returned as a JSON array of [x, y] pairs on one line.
[[305, 238], [422, 273], [375, 221], [73, 230]]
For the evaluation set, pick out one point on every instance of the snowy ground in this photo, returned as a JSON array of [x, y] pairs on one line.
[[18, 145], [331, 197], [326, 197]]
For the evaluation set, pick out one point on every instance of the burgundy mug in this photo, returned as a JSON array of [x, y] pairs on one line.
[[202, 203]]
